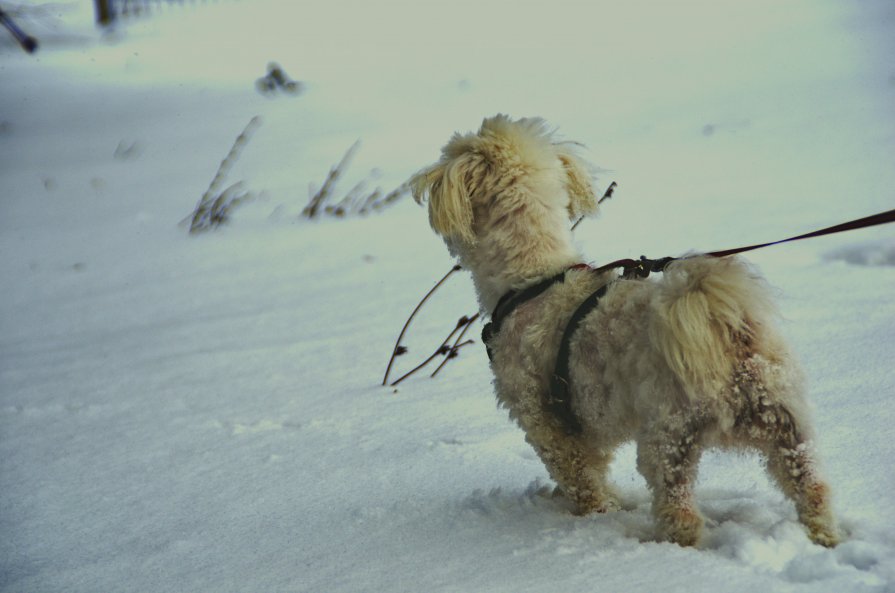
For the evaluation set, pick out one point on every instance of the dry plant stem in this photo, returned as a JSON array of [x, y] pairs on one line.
[[409, 319], [206, 203], [443, 349], [606, 195], [28, 43], [360, 202], [392, 197], [356, 200], [452, 354], [231, 157], [314, 206], [230, 198], [347, 204], [457, 344]]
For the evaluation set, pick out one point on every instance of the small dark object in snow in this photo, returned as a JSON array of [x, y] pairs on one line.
[[277, 80], [28, 43]]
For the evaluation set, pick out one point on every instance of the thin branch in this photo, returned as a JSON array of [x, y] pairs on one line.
[[606, 195], [28, 43], [457, 345], [317, 200], [443, 349], [398, 347]]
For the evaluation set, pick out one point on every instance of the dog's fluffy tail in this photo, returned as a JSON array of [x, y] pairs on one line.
[[706, 316]]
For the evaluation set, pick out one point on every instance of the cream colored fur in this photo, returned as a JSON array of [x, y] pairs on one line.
[[683, 361]]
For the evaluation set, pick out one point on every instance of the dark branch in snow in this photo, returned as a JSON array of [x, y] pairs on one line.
[[448, 352], [28, 43], [399, 348]]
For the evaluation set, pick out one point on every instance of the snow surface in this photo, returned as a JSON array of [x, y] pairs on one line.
[[203, 413]]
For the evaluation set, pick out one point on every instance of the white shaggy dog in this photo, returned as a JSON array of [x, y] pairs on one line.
[[680, 364]]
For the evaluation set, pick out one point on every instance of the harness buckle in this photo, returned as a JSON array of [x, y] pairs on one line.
[[645, 266]]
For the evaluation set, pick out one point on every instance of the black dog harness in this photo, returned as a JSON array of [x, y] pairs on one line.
[[559, 401]]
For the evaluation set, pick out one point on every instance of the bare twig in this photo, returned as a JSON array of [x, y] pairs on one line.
[[606, 195], [28, 43], [358, 200], [399, 349], [215, 205], [314, 206], [457, 345], [390, 198], [355, 196], [230, 198], [443, 350]]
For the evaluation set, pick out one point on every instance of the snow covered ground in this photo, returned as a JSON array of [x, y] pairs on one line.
[[203, 413]]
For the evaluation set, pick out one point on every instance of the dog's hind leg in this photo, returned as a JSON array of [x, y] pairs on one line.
[[772, 427], [791, 464], [668, 456], [579, 470]]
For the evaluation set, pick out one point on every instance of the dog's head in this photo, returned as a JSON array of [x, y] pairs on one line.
[[508, 167]]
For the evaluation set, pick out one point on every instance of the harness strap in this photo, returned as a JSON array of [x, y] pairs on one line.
[[560, 402], [508, 303]]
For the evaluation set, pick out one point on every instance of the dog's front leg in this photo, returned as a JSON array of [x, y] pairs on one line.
[[668, 456], [579, 469]]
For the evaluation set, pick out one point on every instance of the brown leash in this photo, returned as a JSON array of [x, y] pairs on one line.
[[643, 267]]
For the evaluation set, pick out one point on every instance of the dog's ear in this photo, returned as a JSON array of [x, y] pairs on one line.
[[582, 198], [450, 210]]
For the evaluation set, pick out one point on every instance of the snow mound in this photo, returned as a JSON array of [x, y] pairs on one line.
[[877, 253]]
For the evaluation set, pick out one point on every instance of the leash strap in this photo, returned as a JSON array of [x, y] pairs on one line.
[[860, 223], [643, 267]]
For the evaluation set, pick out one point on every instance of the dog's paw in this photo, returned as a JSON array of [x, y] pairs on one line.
[[681, 525], [606, 505], [823, 534], [591, 503], [817, 517]]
